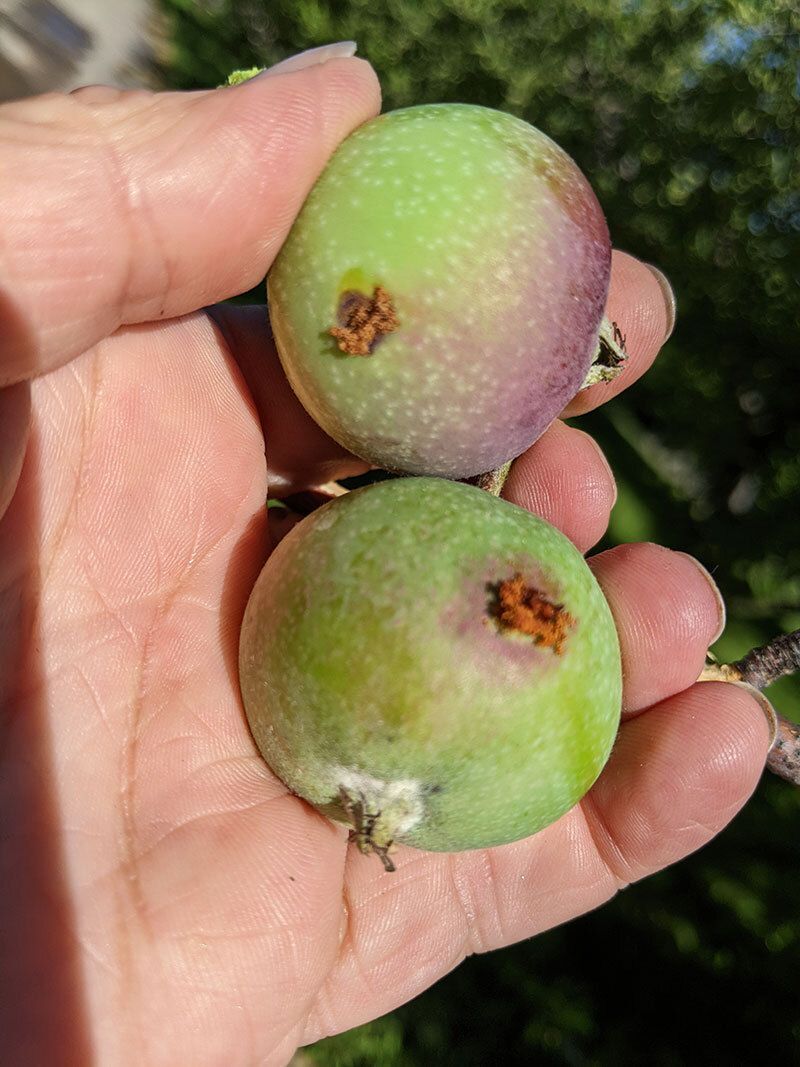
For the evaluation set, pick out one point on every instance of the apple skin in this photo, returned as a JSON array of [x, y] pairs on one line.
[[372, 667], [496, 256]]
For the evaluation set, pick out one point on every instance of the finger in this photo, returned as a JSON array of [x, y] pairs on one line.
[[565, 478], [667, 610], [299, 453], [15, 412], [678, 775], [126, 207], [641, 302]]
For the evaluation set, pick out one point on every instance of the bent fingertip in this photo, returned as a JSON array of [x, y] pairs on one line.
[[716, 595], [565, 478], [743, 728], [328, 60], [339, 91], [605, 467], [311, 57], [766, 709]]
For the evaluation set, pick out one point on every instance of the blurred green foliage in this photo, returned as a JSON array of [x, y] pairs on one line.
[[685, 116]]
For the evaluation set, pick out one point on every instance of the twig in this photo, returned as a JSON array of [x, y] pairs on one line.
[[760, 668], [784, 756], [765, 665]]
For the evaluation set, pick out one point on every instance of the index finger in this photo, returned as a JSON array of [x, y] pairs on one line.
[[128, 207]]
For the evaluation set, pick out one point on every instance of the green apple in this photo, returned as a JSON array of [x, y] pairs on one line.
[[431, 664], [439, 298]]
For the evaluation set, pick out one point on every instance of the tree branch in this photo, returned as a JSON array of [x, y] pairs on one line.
[[760, 668]]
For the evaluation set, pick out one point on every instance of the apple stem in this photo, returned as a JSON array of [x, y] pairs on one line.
[[492, 481], [760, 668]]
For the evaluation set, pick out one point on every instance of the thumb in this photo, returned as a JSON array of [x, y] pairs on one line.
[[125, 207]]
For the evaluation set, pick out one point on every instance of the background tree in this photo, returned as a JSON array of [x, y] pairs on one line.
[[684, 116]]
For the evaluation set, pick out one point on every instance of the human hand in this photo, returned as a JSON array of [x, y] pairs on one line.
[[167, 901]]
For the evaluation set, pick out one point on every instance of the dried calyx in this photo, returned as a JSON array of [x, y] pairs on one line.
[[610, 355]]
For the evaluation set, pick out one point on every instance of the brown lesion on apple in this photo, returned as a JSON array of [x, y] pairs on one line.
[[522, 608], [363, 321]]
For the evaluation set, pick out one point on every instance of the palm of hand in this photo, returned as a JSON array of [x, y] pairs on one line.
[[197, 881], [213, 911]]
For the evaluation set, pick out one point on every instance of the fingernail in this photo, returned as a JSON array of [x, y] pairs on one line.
[[669, 298], [312, 57], [721, 611], [769, 712]]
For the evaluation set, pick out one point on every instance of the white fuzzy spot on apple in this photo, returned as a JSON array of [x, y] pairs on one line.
[[400, 803]]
